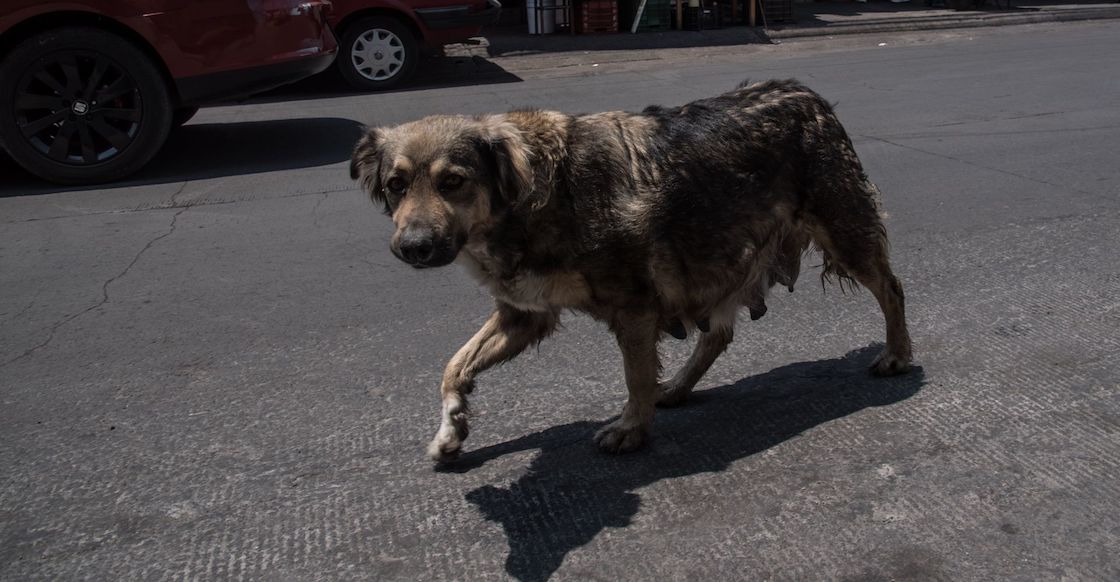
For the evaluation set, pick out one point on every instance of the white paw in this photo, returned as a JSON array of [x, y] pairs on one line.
[[443, 449], [449, 440]]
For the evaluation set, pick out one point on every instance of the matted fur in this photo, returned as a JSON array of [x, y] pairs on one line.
[[664, 221]]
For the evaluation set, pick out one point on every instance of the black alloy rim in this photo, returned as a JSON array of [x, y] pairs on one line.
[[78, 108]]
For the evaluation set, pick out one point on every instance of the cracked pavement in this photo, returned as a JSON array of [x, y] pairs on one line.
[[104, 291], [216, 370]]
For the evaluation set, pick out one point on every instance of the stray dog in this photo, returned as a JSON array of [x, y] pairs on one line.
[[664, 221]]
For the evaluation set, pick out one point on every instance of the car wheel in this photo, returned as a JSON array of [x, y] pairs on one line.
[[80, 105], [182, 115], [377, 53]]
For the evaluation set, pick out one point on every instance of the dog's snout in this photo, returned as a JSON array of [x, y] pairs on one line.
[[417, 245]]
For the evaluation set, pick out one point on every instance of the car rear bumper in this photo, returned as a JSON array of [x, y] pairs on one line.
[[459, 16], [232, 85]]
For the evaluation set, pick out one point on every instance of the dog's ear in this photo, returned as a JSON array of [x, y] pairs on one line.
[[365, 165], [513, 162]]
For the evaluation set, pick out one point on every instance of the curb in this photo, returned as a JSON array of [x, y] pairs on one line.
[[946, 22]]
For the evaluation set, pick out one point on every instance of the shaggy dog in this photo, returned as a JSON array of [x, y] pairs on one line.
[[664, 221]]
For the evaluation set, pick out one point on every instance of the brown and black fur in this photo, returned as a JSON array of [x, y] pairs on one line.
[[663, 221]]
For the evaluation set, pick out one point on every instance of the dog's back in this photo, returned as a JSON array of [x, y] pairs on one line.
[[714, 201]]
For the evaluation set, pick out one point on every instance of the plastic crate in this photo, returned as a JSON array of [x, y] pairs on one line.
[[778, 10], [658, 15], [741, 15], [597, 16], [702, 18]]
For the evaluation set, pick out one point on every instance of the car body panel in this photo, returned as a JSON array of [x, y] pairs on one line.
[[212, 36], [438, 22], [200, 38]]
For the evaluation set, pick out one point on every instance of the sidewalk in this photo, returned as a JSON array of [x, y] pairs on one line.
[[827, 19], [815, 19]]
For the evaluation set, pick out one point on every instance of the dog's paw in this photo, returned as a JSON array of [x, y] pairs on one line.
[[449, 440], [888, 364], [618, 437], [672, 395], [444, 450]]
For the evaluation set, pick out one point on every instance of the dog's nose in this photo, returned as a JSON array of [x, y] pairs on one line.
[[416, 245]]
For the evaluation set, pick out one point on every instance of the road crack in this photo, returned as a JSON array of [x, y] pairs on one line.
[[104, 289], [25, 308], [315, 210], [190, 204]]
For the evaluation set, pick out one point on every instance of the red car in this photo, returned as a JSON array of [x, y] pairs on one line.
[[380, 40], [89, 89]]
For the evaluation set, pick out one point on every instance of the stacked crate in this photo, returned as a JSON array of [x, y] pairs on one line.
[[778, 10], [658, 15], [596, 16], [703, 18], [725, 13]]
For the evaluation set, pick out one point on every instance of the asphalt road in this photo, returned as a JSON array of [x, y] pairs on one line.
[[218, 371]]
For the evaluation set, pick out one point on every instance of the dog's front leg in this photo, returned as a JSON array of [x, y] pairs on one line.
[[507, 333], [637, 336]]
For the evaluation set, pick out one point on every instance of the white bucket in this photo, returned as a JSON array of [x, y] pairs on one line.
[[548, 17]]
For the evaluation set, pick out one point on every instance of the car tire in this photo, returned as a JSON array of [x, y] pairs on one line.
[[80, 105], [182, 115], [377, 53]]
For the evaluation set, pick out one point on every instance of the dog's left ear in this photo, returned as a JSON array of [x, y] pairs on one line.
[[513, 160], [365, 165]]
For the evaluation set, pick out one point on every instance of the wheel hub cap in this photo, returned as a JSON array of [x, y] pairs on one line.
[[377, 54], [79, 107]]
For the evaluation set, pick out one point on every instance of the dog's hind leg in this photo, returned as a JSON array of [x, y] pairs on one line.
[[637, 335], [710, 345], [897, 356], [506, 334], [854, 242]]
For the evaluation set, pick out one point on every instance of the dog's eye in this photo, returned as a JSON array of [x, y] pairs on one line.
[[395, 185], [451, 182]]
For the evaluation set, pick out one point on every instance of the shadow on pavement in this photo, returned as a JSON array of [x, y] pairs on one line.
[[433, 73], [571, 492], [214, 150]]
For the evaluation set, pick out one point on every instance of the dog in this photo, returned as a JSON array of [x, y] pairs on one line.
[[661, 222]]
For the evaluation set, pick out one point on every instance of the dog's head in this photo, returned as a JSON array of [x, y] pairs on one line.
[[444, 180]]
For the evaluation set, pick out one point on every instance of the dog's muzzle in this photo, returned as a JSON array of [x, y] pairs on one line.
[[422, 247]]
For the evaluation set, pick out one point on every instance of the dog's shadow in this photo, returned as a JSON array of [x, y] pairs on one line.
[[571, 492]]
